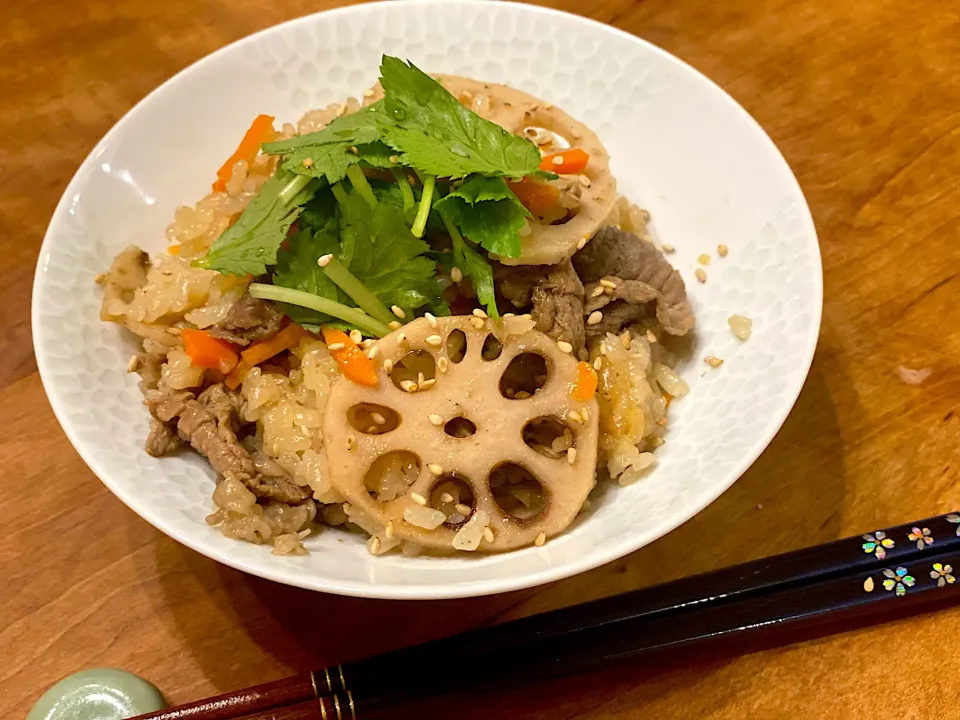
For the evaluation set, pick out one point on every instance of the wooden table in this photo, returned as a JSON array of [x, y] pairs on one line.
[[862, 98]]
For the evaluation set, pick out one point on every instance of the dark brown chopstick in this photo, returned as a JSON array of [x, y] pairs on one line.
[[898, 569]]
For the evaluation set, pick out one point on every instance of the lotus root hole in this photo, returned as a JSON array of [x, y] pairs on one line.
[[414, 367], [391, 475], [525, 374], [517, 492], [460, 427], [548, 436], [453, 496], [373, 419], [456, 346], [492, 348]]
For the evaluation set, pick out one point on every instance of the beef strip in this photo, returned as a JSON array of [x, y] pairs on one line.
[[642, 276], [556, 294], [248, 320], [162, 439], [210, 423]]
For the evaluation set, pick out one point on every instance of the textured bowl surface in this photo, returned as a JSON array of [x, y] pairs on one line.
[[680, 146]]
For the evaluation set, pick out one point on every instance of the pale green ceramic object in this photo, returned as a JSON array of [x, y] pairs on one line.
[[100, 694]]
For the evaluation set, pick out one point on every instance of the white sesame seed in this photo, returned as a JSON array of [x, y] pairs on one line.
[[603, 348], [443, 364], [408, 385], [390, 530], [434, 340], [99, 278], [133, 363], [541, 539], [464, 510], [651, 337], [446, 498], [608, 284], [432, 320], [701, 275], [402, 338], [435, 469], [625, 339], [488, 534], [703, 259], [378, 418], [597, 291], [477, 312], [351, 442], [426, 384], [324, 260], [722, 250], [712, 361], [356, 336], [388, 366], [508, 315], [420, 378], [581, 243], [574, 416], [557, 160], [173, 330], [595, 317], [585, 414], [394, 159], [307, 162], [395, 325], [564, 346], [333, 347], [435, 420], [418, 498], [571, 455], [668, 248], [477, 323], [374, 545], [398, 311], [456, 275], [373, 352], [598, 363]]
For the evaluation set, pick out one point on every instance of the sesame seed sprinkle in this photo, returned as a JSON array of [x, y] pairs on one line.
[[722, 250], [598, 363], [434, 340], [373, 352], [356, 336], [597, 291], [477, 323], [174, 330], [375, 545], [625, 339], [595, 317], [394, 159], [477, 312], [351, 442], [378, 418], [668, 248], [432, 320], [388, 366], [464, 510], [443, 364], [99, 278], [333, 347], [398, 311], [395, 325], [133, 363], [435, 420], [581, 243], [574, 416], [402, 338], [712, 361], [703, 259], [651, 337], [700, 275], [418, 498], [608, 284], [541, 539], [585, 414], [564, 346], [408, 385], [435, 469], [488, 534], [446, 498], [420, 378], [427, 384], [390, 530], [558, 160], [324, 260], [456, 275], [308, 162], [571, 455]]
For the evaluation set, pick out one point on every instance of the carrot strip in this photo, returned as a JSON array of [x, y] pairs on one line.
[[260, 131], [538, 198], [585, 386], [207, 351], [236, 377], [353, 363], [566, 162], [286, 339]]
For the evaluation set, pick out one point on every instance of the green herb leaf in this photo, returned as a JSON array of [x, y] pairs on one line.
[[487, 212], [435, 134], [250, 245]]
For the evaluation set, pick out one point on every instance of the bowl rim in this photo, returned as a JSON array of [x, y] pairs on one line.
[[395, 591]]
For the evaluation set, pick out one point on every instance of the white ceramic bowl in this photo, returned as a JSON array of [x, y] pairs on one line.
[[680, 147]]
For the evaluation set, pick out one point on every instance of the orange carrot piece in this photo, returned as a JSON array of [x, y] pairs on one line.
[[586, 385], [236, 377], [566, 162], [207, 351], [174, 249], [353, 363], [286, 339], [538, 198], [247, 150]]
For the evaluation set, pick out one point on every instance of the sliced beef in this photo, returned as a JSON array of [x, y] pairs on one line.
[[162, 439], [555, 294], [210, 423], [642, 276], [248, 320]]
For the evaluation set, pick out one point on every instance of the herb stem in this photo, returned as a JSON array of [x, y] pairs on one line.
[[426, 200], [339, 194], [350, 315], [295, 185], [358, 292], [360, 184], [405, 190]]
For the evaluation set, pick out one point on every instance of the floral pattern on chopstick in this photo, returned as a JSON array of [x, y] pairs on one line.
[[877, 544], [943, 574], [955, 519], [921, 537], [897, 580]]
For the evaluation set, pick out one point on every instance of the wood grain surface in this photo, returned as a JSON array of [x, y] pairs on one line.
[[863, 99]]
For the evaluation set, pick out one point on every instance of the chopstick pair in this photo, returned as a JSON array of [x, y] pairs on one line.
[[891, 571]]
